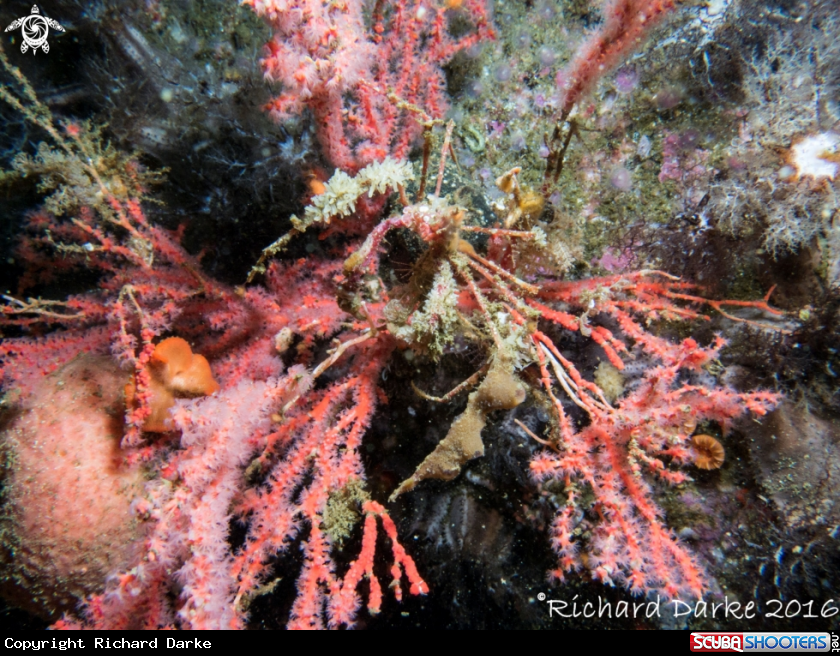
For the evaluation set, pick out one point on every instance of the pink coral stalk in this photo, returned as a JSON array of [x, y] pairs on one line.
[[626, 25]]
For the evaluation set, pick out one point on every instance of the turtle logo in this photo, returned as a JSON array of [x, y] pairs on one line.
[[34, 29]]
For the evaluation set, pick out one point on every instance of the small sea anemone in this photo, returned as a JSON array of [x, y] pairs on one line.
[[626, 79], [546, 56], [621, 179], [710, 452], [503, 72]]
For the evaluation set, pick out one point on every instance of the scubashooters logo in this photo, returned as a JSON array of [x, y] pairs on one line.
[[35, 29], [761, 642]]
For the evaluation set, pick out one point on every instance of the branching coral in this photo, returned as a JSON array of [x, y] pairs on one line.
[[455, 289], [247, 449], [283, 455]]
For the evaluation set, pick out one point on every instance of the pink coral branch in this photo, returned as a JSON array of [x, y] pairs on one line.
[[327, 62], [626, 25]]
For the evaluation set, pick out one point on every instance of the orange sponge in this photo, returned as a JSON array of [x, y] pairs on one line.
[[176, 372]]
